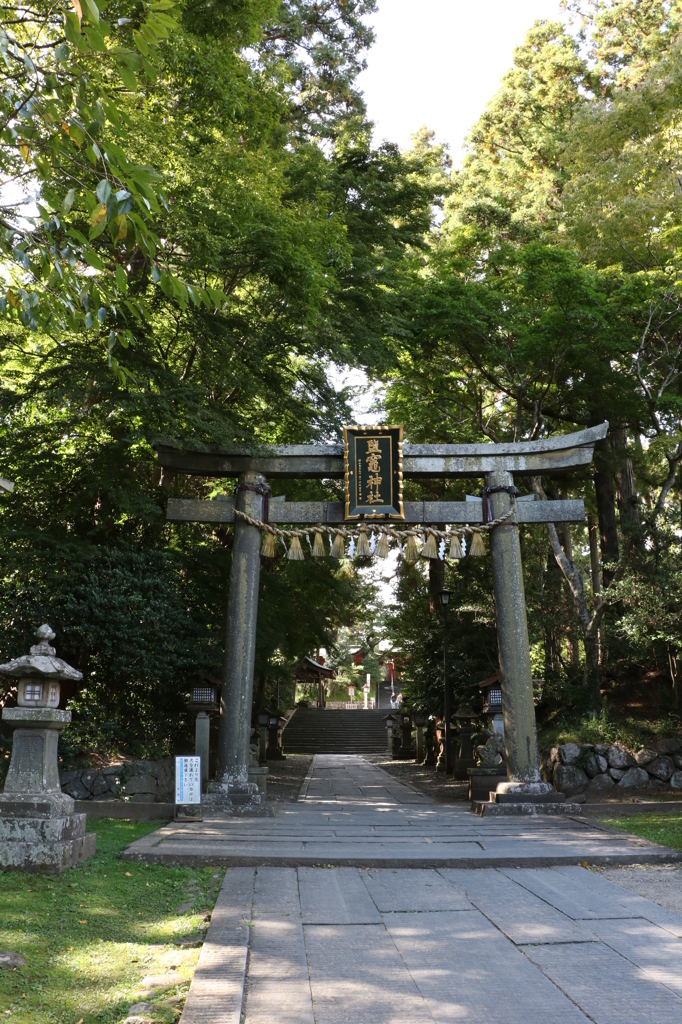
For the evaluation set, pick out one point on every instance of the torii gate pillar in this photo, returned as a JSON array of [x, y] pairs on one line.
[[232, 781], [518, 708]]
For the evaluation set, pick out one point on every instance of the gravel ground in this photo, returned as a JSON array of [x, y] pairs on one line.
[[285, 778], [425, 779], [661, 883]]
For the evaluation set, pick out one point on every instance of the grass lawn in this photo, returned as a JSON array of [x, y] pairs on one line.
[[659, 828], [91, 935]]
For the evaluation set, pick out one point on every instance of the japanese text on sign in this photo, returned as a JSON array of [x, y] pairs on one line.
[[188, 780], [373, 460], [374, 476]]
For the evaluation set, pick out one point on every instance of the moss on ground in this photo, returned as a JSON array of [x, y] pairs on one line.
[[665, 829], [91, 935]]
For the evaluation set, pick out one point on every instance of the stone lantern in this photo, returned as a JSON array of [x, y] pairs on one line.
[[275, 750], [204, 702], [465, 756], [392, 722], [420, 721], [38, 828]]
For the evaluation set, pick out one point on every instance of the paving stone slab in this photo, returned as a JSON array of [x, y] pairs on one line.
[[336, 896], [466, 970], [358, 977], [606, 986], [277, 987], [654, 950], [519, 914], [572, 894], [413, 890], [637, 905], [215, 995]]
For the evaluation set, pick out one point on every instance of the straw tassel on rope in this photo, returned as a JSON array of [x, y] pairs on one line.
[[318, 545], [455, 547], [477, 546], [363, 548], [411, 550], [430, 549], [382, 546], [268, 546], [338, 547], [295, 550]]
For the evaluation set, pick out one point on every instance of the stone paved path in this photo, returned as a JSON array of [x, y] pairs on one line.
[[352, 813], [422, 946], [425, 945]]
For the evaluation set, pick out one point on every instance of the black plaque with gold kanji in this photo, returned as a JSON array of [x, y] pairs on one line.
[[374, 472]]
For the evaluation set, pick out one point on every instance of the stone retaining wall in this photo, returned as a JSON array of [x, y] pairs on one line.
[[599, 769], [133, 781]]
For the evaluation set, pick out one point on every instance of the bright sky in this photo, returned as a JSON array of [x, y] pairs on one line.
[[438, 62]]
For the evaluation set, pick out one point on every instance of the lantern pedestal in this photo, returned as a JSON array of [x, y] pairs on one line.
[[483, 781], [39, 831]]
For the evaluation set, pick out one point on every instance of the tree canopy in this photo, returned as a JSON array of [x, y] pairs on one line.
[[197, 232]]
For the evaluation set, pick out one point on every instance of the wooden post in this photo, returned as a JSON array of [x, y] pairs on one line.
[[518, 709], [240, 648]]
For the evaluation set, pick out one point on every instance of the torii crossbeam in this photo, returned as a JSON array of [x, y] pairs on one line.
[[498, 464]]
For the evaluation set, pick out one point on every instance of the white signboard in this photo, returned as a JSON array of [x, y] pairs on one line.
[[188, 780], [351, 691]]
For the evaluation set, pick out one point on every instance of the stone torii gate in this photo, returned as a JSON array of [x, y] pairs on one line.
[[497, 464]]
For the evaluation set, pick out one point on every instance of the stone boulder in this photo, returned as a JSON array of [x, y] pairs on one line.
[[569, 753], [617, 773], [591, 765], [617, 757], [677, 760], [569, 780], [643, 757], [601, 748], [72, 785], [600, 784], [675, 780], [669, 745], [634, 778], [661, 768], [140, 784], [99, 786], [602, 763]]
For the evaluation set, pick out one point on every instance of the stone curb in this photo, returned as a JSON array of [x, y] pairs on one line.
[[658, 855], [626, 809]]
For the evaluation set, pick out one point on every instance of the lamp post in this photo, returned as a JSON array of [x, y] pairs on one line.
[[444, 598]]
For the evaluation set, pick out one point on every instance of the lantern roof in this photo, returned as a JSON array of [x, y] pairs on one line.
[[41, 662]]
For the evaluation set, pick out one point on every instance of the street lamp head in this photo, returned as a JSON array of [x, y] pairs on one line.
[[444, 597]]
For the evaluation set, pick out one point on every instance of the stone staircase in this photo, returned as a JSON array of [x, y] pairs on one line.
[[334, 731]]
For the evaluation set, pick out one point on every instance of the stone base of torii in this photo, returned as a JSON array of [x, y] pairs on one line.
[[497, 464]]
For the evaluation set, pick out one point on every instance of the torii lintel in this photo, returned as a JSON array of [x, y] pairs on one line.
[[548, 456]]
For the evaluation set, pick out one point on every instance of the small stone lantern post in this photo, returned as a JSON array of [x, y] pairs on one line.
[[406, 728], [391, 722], [465, 756], [420, 720], [39, 831], [205, 703], [263, 722], [275, 751]]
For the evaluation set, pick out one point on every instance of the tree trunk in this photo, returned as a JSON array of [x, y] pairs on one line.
[[551, 605], [626, 492], [606, 510], [594, 566], [572, 643], [436, 581]]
